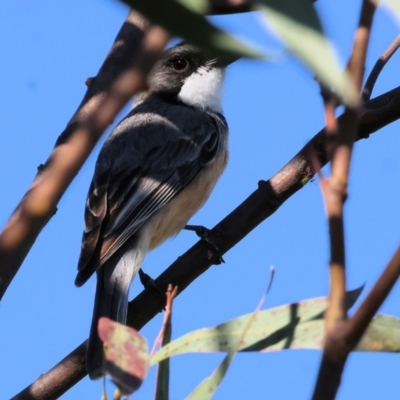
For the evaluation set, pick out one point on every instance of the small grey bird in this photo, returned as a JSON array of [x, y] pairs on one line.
[[155, 170]]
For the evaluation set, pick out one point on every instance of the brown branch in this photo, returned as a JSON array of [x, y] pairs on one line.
[[261, 204], [163, 338], [122, 75], [170, 295], [378, 67], [356, 64], [335, 194], [335, 189]]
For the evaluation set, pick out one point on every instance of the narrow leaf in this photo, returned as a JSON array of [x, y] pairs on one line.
[[126, 354], [277, 328], [208, 386], [184, 22], [297, 24]]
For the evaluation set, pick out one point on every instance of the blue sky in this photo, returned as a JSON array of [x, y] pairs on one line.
[[48, 51]]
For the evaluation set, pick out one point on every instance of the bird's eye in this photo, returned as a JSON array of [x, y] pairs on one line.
[[179, 64]]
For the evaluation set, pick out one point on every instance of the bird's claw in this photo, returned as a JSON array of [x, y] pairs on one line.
[[149, 283], [206, 234]]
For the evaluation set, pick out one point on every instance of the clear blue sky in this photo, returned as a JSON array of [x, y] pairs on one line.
[[48, 50]]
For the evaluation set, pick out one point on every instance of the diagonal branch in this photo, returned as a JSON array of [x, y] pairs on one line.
[[123, 74], [261, 204]]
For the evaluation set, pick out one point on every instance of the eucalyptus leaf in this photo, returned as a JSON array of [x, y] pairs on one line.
[[206, 389], [126, 354], [184, 22], [297, 24], [392, 4], [383, 335], [283, 327]]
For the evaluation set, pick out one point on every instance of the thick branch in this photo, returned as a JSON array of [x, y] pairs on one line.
[[122, 75], [262, 203]]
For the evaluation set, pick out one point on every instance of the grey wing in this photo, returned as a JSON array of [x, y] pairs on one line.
[[126, 190]]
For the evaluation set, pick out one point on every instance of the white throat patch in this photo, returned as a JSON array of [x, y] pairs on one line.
[[204, 89]]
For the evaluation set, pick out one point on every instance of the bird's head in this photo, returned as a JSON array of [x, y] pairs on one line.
[[190, 75]]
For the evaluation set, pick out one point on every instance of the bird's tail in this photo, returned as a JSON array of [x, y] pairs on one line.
[[113, 281]]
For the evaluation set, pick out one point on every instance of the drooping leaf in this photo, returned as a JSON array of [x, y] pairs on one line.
[[278, 328], [297, 24], [126, 354], [184, 22]]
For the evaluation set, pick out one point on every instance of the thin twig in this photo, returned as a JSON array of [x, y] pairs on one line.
[[357, 325], [163, 338], [378, 67], [171, 294], [356, 64], [335, 194]]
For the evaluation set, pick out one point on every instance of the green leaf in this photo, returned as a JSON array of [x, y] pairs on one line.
[[126, 354], [393, 4], [183, 21], [383, 335], [297, 24], [208, 386], [277, 328]]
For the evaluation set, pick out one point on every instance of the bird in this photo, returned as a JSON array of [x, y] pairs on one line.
[[154, 172]]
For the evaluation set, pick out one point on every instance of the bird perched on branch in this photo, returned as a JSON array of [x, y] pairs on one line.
[[155, 170]]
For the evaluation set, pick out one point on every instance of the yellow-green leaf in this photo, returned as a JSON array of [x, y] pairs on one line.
[[297, 24], [383, 334], [277, 328]]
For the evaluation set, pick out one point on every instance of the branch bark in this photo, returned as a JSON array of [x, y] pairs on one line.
[[123, 74], [334, 191], [262, 203]]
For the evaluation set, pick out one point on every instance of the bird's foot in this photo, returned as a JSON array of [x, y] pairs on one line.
[[149, 283], [206, 234]]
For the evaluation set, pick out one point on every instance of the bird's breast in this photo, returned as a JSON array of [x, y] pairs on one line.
[[172, 218]]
